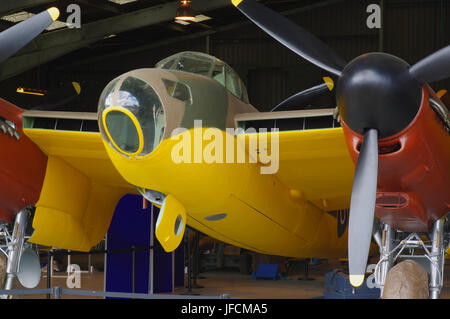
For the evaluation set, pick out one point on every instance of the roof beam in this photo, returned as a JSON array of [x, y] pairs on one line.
[[197, 35], [101, 6], [51, 45]]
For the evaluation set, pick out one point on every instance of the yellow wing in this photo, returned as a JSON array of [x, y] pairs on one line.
[[317, 163], [82, 187], [314, 163], [80, 191]]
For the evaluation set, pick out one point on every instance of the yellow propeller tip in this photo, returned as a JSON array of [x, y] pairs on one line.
[[236, 2], [329, 82], [356, 280], [77, 87], [54, 13]]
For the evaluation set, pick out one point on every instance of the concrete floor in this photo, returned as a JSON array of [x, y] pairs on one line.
[[236, 285]]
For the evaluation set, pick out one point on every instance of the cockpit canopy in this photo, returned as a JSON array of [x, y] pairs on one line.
[[209, 66]]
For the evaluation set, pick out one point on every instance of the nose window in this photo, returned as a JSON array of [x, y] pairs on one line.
[[122, 131], [139, 99]]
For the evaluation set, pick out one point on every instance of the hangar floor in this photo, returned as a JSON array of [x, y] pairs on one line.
[[231, 282]]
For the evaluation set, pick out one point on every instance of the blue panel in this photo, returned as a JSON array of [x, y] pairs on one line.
[[130, 226], [337, 286], [179, 266], [267, 271], [162, 266]]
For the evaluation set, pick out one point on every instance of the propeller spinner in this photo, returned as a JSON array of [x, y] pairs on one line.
[[378, 95]]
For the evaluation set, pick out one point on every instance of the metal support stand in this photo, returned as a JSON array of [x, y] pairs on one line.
[[306, 273], [14, 249], [133, 269], [196, 260], [437, 260], [49, 272], [385, 256], [189, 266], [413, 247]]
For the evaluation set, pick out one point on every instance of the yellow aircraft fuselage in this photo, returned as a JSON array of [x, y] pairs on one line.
[[231, 201]]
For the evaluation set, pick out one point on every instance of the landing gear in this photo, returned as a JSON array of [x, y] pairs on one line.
[[13, 246], [430, 254]]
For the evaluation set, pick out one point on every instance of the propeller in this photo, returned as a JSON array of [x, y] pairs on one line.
[[16, 37], [306, 96], [362, 207], [378, 95], [433, 68], [292, 36]]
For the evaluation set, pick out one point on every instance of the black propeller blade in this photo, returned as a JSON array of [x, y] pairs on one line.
[[292, 36], [16, 37], [362, 207], [306, 96], [433, 68]]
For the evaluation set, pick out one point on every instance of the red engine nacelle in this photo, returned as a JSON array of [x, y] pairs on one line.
[[413, 170], [22, 166]]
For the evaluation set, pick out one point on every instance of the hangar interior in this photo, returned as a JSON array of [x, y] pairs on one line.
[[117, 36]]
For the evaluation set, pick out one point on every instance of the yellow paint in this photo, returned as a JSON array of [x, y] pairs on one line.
[[262, 214], [136, 125], [73, 212], [329, 82], [80, 191], [77, 87], [236, 2], [82, 150], [317, 163], [25, 91], [441, 93], [356, 280], [54, 13], [168, 233], [277, 214]]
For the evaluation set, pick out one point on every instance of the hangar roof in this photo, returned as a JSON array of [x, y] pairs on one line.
[[123, 25]]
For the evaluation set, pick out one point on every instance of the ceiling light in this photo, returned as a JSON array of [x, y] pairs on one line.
[[122, 1], [56, 25], [18, 17], [201, 18], [185, 11], [182, 22]]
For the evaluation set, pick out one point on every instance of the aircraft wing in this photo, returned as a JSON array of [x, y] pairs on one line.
[[313, 158], [81, 186]]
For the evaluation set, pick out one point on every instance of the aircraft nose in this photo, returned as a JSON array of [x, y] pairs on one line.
[[376, 91], [131, 116]]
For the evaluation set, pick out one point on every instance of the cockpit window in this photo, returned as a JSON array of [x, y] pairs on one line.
[[219, 73], [207, 65], [233, 82], [178, 90], [191, 65]]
